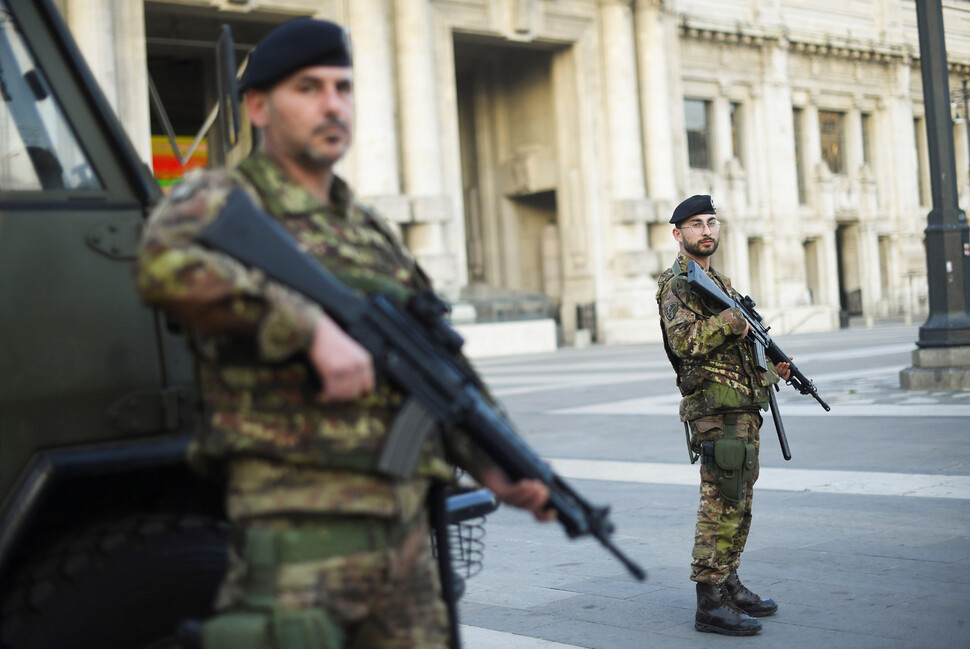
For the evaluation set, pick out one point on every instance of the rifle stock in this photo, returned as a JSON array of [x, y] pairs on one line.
[[417, 352]]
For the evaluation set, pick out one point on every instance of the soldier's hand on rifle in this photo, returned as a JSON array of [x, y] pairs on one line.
[[784, 369], [345, 368], [732, 315], [530, 495]]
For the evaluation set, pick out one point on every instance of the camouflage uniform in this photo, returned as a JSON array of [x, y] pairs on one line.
[[722, 389], [290, 462]]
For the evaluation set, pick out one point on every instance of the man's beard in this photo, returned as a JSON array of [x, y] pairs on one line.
[[696, 250], [313, 160], [309, 157]]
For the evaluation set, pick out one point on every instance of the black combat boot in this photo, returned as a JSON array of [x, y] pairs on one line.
[[716, 613], [747, 601]]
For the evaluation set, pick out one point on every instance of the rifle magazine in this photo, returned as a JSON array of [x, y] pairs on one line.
[[412, 425]]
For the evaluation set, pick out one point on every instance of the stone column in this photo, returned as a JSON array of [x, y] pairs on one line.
[[962, 153], [783, 242], [828, 275], [626, 179], [622, 103], [656, 102], [92, 24], [131, 69], [854, 156], [869, 278], [111, 37], [780, 139], [421, 154], [628, 302], [868, 236], [721, 127], [779, 251], [376, 177], [816, 171], [899, 131], [737, 257]]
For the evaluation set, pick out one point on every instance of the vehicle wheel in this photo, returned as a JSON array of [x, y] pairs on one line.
[[121, 585]]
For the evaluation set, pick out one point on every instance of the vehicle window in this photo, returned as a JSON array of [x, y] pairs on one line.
[[38, 149]]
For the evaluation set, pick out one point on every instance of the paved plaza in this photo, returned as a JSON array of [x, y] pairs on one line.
[[863, 538]]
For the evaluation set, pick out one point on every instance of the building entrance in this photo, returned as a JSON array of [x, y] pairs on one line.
[[510, 172]]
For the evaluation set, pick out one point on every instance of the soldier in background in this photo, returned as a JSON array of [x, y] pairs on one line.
[[325, 549], [723, 393]]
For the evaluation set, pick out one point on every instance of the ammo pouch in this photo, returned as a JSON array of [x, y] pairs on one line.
[[733, 463], [258, 622], [271, 628]]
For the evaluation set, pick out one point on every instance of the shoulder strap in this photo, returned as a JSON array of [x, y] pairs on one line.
[[671, 356]]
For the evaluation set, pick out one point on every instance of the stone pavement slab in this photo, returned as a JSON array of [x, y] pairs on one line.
[[888, 568]]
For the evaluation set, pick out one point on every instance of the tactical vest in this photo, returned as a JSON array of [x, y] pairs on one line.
[[259, 409], [725, 379]]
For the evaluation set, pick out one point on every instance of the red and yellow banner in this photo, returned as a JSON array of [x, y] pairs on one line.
[[168, 170]]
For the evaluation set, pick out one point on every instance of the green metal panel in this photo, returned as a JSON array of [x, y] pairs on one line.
[[81, 360]]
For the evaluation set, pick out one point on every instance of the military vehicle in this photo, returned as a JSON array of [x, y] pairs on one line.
[[107, 539]]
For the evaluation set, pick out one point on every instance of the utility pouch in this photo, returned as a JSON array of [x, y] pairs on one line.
[[306, 629], [237, 630], [272, 629], [733, 463], [259, 623]]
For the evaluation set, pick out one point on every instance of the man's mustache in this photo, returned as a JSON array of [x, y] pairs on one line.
[[331, 122]]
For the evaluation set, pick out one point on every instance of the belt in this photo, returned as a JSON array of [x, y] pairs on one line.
[[322, 538]]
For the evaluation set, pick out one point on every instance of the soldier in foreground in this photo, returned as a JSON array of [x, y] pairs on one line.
[[293, 415], [723, 392]]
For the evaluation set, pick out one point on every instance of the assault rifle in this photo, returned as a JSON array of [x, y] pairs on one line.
[[763, 344], [418, 352]]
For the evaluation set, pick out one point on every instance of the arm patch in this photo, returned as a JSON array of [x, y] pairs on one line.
[[670, 311]]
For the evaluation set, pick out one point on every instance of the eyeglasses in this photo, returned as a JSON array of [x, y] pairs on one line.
[[698, 226]]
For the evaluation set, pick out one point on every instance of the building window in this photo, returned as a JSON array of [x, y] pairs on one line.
[[697, 114], [38, 147], [737, 132], [831, 129], [867, 157], [797, 120]]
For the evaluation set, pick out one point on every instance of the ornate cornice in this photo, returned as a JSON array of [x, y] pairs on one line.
[[758, 36]]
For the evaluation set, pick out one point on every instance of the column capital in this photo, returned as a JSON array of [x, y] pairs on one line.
[[608, 3]]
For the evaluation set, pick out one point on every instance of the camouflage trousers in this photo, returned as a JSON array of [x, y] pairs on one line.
[[375, 580], [722, 525]]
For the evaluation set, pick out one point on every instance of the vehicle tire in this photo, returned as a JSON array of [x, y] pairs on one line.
[[121, 585]]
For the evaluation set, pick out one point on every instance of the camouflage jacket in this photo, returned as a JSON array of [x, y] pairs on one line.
[[715, 369], [249, 338]]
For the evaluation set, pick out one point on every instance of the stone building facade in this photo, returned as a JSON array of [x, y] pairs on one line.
[[537, 147]]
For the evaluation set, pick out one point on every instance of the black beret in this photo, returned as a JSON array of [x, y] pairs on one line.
[[699, 204], [299, 43]]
